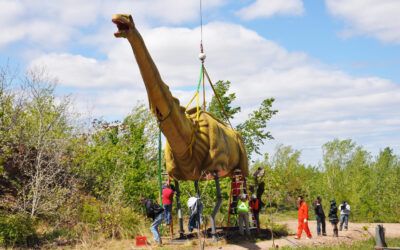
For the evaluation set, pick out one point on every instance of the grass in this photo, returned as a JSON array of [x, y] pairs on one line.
[[281, 216], [360, 245]]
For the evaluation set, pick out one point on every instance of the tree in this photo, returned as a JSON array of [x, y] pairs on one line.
[[10, 112], [226, 111], [43, 140], [383, 192], [253, 129], [120, 158], [35, 136], [337, 154]]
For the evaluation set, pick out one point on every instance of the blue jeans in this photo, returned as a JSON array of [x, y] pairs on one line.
[[344, 218], [167, 213], [154, 227]]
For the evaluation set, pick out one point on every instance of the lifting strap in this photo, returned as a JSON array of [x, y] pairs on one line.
[[197, 94]]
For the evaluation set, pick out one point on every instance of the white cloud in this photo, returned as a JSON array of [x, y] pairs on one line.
[[46, 23], [8, 11], [51, 24], [269, 8], [82, 72], [379, 19]]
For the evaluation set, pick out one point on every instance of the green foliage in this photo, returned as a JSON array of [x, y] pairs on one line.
[[9, 113], [119, 161], [226, 111], [97, 219], [17, 229], [90, 211], [253, 129], [34, 136]]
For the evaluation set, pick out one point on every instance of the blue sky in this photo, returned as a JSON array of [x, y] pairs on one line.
[[332, 65]]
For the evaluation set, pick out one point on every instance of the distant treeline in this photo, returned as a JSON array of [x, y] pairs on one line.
[[370, 184]]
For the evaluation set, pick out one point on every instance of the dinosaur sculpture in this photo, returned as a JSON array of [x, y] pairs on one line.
[[196, 149]]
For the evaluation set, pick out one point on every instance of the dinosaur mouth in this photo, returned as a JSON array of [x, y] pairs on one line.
[[121, 26]]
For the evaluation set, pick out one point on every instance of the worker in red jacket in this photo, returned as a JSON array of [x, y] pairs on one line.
[[255, 209], [303, 219], [167, 197]]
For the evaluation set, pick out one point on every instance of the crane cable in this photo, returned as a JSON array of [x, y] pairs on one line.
[[203, 75], [201, 27]]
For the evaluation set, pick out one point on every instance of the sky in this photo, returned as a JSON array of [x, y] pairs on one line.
[[331, 65]]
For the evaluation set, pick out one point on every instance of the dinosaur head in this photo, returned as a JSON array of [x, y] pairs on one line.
[[124, 24]]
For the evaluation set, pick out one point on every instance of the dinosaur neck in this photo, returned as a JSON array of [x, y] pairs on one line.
[[174, 124]]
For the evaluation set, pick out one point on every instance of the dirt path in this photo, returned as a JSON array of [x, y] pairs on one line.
[[356, 232]]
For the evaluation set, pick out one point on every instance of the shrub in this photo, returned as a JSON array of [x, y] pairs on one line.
[[90, 211], [17, 229], [101, 220]]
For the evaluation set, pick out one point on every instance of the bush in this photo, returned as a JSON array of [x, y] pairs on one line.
[[120, 222], [17, 229], [90, 211], [100, 220]]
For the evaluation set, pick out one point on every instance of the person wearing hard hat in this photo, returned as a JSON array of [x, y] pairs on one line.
[[255, 209]]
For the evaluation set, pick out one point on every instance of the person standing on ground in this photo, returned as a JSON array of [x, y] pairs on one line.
[[344, 215], [255, 209], [320, 216], [333, 218], [167, 197], [196, 209], [302, 218], [156, 213], [243, 212]]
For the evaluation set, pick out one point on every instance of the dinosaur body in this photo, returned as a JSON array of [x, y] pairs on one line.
[[195, 147]]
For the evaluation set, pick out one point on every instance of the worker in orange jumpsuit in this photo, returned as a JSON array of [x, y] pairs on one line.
[[303, 219]]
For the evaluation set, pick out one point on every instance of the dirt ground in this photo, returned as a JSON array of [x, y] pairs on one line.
[[356, 232]]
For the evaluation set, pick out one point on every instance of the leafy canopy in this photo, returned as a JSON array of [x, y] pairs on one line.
[[253, 129]]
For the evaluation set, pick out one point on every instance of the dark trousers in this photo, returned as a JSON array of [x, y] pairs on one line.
[[321, 222], [167, 213], [256, 215], [335, 229], [234, 204]]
